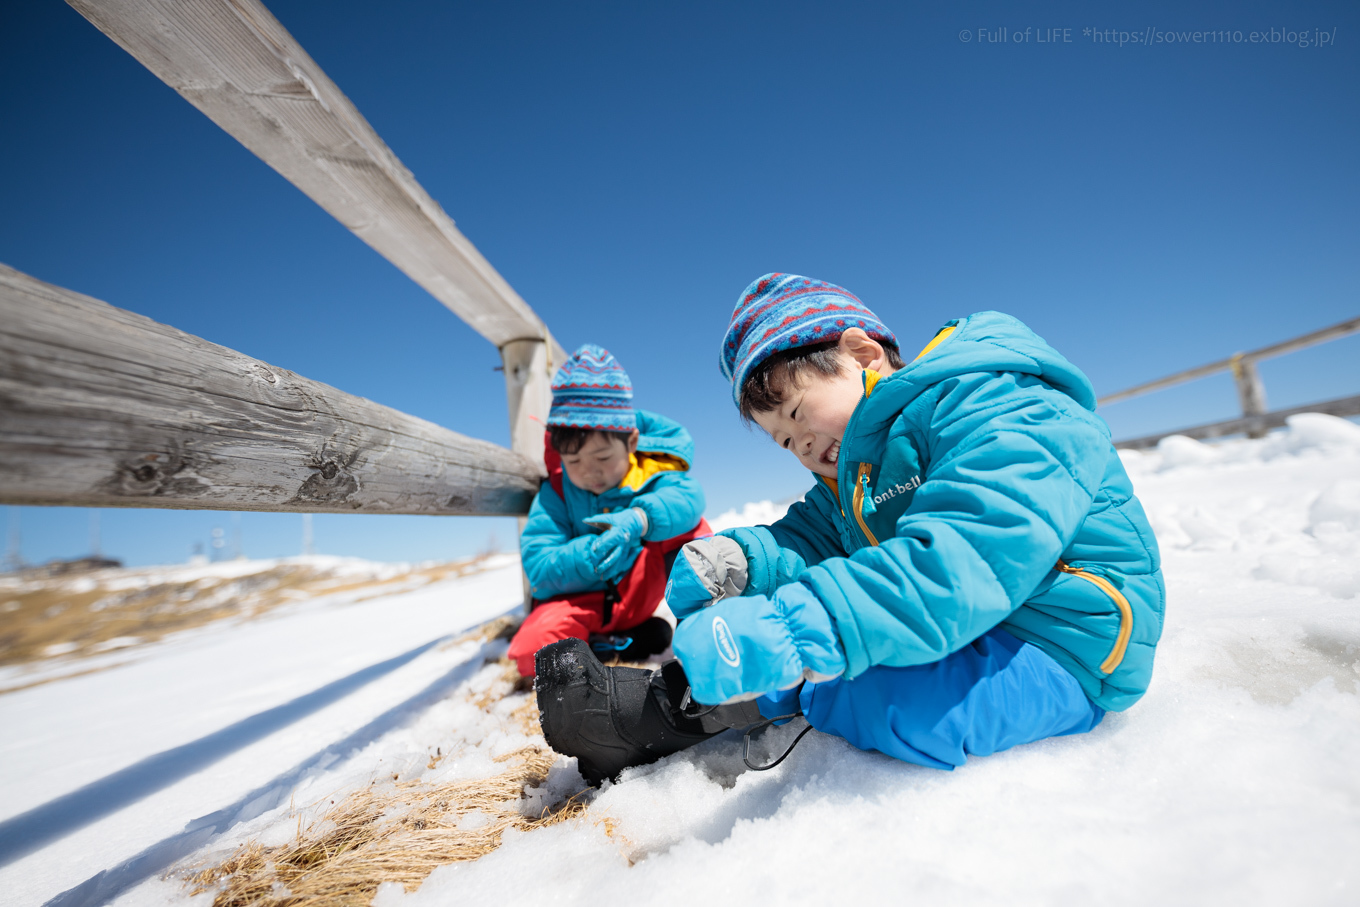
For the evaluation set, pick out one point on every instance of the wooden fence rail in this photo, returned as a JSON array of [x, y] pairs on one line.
[[235, 62], [1239, 363], [238, 65], [102, 407], [1251, 391]]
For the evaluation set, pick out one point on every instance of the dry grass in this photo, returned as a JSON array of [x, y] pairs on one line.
[[399, 833], [78, 616]]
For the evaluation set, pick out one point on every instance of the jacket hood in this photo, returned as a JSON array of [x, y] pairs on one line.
[[988, 342], [660, 435]]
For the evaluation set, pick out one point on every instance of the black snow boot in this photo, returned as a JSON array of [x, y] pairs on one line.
[[614, 718], [651, 637]]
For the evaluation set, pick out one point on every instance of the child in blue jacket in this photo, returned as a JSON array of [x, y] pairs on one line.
[[604, 528], [970, 572]]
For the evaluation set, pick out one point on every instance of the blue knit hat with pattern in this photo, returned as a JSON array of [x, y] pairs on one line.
[[591, 390], [784, 312]]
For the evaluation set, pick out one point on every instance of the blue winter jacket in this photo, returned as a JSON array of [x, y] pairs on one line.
[[976, 487], [554, 544]]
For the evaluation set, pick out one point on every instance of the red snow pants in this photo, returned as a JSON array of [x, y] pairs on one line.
[[640, 591]]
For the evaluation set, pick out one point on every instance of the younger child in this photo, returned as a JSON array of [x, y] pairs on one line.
[[604, 528], [970, 572]]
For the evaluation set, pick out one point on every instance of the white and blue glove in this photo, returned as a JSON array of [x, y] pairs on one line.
[[707, 571], [613, 552], [742, 648]]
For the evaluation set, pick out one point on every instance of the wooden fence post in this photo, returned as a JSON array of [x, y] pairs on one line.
[[1251, 393], [528, 374]]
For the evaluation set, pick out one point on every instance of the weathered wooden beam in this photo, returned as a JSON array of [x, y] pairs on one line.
[[233, 61], [105, 408], [1252, 426]]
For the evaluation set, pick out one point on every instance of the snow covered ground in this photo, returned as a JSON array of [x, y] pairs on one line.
[[1234, 780]]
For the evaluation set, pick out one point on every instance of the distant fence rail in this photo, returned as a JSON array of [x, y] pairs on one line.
[[102, 407], [1255, 420]]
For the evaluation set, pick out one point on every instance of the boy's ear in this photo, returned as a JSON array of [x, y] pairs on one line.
[[633, 441], [863, 350]]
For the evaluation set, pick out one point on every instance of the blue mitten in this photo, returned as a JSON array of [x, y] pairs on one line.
[[611, 557], [767, 565], [613, 552], [707, 570], [631, 523], [742, 648]]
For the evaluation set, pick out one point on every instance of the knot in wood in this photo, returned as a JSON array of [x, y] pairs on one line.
[[166, 472], [331, 484]]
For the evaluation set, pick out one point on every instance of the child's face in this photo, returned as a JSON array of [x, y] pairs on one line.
[[811, 420], [601, 463]]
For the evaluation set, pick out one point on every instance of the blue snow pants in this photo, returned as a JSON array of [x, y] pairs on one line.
[[995, 693]]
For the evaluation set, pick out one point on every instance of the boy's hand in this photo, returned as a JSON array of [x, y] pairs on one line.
[[742, 648], [707, 571]]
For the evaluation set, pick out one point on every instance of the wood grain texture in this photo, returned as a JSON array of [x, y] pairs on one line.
[[233, 61], [102, 407]]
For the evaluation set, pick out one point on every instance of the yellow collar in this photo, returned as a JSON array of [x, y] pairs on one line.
[[642, 467], [936, 341]]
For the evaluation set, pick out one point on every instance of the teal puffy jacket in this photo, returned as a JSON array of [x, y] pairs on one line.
[[555, 541], [978, 488]]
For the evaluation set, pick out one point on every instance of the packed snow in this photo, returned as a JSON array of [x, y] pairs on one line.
[[1233, 781]]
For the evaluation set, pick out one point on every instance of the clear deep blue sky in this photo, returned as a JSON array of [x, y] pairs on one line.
[[629, 168]]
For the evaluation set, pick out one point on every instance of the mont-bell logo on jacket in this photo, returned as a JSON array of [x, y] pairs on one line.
[[726, 645]]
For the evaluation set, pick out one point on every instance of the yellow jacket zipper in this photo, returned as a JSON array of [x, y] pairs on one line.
[[871, 378], [1121, 642], [857, 502]]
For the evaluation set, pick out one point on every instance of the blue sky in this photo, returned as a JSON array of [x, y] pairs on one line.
[[629, 168]]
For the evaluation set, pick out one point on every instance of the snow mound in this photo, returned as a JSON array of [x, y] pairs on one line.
[[1338, 503], [756, 513], [1178, 450], [1307, 436], [1314, 432]]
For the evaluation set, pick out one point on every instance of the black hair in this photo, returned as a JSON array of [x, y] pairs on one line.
[[568, 439], [765, 388]]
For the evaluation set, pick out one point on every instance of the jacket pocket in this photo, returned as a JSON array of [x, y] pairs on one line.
[[1121, 642]]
